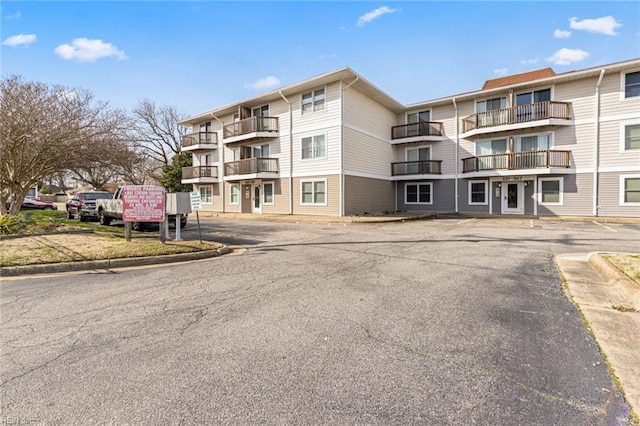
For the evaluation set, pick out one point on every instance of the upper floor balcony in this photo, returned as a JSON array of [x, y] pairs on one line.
[[409, 169], [251, 128], [251, 168], [200, 174], [200, 141], [517, 161], [539, 114], [416, 132]]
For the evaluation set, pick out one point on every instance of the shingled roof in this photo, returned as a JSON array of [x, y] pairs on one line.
[[518, 78]]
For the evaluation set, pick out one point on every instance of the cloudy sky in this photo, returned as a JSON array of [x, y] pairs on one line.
[[204, 54]]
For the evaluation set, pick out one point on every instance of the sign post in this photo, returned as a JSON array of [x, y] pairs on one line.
[[196, 206], [142, 203]]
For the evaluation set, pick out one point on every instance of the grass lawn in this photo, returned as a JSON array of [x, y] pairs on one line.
[[627, 263]]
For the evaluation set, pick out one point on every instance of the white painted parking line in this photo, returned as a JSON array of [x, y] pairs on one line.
[[605, 226], [467, 220], [531, 223]]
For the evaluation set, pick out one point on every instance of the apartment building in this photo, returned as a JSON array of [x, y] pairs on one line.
[[537, 143]]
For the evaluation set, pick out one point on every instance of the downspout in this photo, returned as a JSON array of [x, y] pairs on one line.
[[224, 200], [455, 108], [597, 146], [290, 152], [342, 144]]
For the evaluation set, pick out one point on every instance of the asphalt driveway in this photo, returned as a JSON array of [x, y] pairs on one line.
[[429, 322]]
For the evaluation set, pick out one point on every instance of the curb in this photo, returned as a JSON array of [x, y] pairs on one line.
[[107, 264], [627, 288]]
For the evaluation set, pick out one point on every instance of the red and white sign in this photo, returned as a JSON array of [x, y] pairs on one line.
[[143, 203]]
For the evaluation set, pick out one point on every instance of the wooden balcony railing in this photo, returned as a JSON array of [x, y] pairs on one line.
[[198, 138], [424, 167], [199, 172], [423, 128], [251, 125], [516, 161], [517, 114], [251, 166]]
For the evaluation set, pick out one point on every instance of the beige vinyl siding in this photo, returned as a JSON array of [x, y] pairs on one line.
[[364, 154], [280, 197], [612, 146], [332, 196], [581, 94], [310, 121], [609, 196], [577, 196], [362, 112], [315, 166], [228, 207], [367, 195], [445, 150], [612, 101]]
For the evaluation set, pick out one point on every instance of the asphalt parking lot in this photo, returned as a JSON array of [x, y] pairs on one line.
[[455, 321]]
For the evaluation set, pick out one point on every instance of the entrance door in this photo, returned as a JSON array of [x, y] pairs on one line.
[[512, 198], [256, 206]]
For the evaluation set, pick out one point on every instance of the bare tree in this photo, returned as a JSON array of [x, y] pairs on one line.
[[44, 130]]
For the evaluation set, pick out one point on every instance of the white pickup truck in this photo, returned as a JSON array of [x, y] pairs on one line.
[[111, 209]]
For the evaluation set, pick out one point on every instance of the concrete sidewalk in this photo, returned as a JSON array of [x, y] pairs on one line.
[[610, 304]]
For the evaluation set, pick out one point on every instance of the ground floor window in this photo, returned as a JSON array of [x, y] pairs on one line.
[[478, 192], [418, 193], [551, 190], [267, 190], [630, 190], [206, 194], [234, 192], [313, 192]]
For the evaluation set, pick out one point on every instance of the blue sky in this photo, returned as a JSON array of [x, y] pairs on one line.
[[202, 55]]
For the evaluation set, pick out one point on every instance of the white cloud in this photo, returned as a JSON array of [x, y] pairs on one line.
[[20, 39], [501, 71], [561, 34], [87, 50], [606, 25], [529, 61], [265, 83], [566, 56], [16, 15], [374, 14]]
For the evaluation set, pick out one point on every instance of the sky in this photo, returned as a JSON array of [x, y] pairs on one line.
[[201, 55]]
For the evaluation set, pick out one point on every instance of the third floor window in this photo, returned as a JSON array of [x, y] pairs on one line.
[[313, 101], [632, 84]]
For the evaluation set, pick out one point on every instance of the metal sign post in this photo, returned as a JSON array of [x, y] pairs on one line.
[[196, 205]]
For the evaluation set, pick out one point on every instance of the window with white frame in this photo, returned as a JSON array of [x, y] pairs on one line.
[[630, 190], [267, 191], [632, 84], [491, 104], [496, 146], [418, 193], [313, 192], [313, 147], [631, 137], [478, 192], [313, 101], [551, 190], [206, 194], [234, 194], [532, 143]]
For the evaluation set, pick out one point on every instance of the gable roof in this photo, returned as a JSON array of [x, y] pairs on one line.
[[518, 78]]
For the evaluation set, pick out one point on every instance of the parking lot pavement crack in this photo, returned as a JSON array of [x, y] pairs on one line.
[[196, 317]]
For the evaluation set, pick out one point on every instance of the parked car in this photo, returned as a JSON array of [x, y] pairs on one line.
[[83, 204], [37, 204]]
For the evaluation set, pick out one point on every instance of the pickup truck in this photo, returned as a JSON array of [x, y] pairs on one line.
[[111, 209]]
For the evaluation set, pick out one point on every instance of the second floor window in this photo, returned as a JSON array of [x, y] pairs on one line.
[[532, 143], [632, 137], [313, 147], [632, 84], [497, 146], [313, 101]]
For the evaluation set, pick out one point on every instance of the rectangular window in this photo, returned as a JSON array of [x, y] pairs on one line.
[[491, 104], [532, 143], [630, 190], [497, 146], [418, 193], [234, 192], [551, 190], [478, 192], [313, 147], [632, 84], [313, 192], [267, 190], [313, 101], [206, 194], [632, 136]]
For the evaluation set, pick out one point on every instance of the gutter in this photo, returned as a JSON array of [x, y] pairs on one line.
[[342, 144], [290, 152], [224, 200], [455, 108], [596, 148]]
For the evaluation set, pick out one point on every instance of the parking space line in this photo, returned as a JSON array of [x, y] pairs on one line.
[[605, 226], [467, 220]]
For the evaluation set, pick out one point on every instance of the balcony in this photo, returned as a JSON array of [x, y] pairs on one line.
[[412, 168], [251, 168], [517, 161], [416, 132], [253, 128], [539, 114], [200, 141], [200, 174]]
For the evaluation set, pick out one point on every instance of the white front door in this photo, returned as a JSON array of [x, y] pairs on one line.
[[512, 198], [256, 199]]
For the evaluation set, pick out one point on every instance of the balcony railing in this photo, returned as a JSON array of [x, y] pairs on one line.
[[251, 125], [196, 172], [424, 167], [200, 138], [423, 128], [516, 161], [251, 166], [518, 114]]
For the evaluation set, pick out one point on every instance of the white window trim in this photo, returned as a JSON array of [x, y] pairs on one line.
[[623, 78], [326, 138], [418, 202], [418, 111], [313, 111], [202, 198], [622, 136], [560, 188], [406, 151], [326, 192], [486, 193], [621, 189], [519, 138], [273, 193], [230, 201], [475, 102]]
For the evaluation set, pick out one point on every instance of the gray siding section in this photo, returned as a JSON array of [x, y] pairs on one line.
[[577, 197], [609, 196], [443, 197], [496, 201], [463, 191], [367, 195]]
